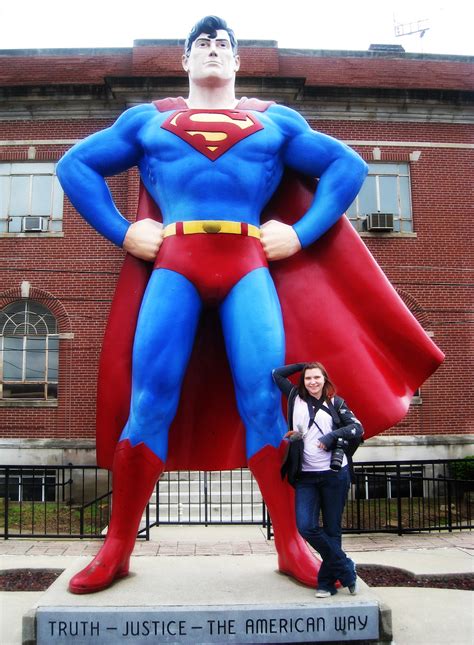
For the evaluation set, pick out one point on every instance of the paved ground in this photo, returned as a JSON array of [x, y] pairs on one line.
[[232, 540], [420, 616]]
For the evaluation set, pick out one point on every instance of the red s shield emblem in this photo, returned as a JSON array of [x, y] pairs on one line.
[[212, 132]]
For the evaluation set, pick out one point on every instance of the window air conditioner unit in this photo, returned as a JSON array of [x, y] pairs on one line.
[[380, 222], [34, 224]]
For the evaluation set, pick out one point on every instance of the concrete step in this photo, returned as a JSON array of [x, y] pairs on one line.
[[210, 485], [196, 512], [230, 495], [196, 494], [193, 475], [225, 506], [197, 497]]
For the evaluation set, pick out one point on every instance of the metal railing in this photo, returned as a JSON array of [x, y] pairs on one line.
[[407, 496], [54, 501], [200, 497], [70, 501]]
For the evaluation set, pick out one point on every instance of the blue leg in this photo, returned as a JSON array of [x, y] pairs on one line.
[[255, 343], [163, 343]]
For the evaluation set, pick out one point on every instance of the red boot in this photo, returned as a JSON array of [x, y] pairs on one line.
[[135, 472], [294, 557]]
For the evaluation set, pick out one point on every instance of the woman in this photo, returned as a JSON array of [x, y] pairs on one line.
[[321, 419]]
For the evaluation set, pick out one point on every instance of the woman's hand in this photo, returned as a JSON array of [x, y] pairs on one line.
[[289, 434], [322, 446]]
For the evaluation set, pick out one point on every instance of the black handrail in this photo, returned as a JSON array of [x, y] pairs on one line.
[[81, 509], [426, 497]]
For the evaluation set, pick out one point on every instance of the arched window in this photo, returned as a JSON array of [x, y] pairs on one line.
[[29, 349]]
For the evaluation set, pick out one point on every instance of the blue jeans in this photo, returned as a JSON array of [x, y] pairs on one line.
[[325, 492]]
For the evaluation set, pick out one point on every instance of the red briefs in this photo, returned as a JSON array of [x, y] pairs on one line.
[[213, 263]]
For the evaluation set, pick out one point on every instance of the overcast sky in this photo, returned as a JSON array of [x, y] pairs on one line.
[[306, 24]]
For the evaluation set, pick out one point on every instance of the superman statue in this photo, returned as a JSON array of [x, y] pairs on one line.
[[209, 167]]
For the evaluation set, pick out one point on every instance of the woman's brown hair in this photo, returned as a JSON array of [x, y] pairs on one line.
[[329, 389]]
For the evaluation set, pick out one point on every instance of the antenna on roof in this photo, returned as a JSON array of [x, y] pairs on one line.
[[408, 28]]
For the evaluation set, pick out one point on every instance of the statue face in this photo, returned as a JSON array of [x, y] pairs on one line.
[[211, 59]]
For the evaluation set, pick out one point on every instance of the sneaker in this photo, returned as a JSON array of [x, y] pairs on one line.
[[353, 586], [325, 593], [353, 565]]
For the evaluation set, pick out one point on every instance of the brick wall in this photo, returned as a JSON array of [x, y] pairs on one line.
[[319, 69], [431, 271]]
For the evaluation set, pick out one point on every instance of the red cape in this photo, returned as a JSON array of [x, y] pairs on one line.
[[338, 308]]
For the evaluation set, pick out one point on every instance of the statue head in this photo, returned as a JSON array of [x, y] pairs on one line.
[[210, 56], [209, 25]]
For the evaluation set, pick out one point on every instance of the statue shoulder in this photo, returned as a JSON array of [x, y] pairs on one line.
[[136, 115], [170, 103], [257, 105], [288, 119]]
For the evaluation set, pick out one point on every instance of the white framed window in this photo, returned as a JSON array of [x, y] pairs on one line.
[[29, 485], [383, 204], [31, 198], [29, 352]]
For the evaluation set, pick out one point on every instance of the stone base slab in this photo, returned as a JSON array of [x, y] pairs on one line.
[[204, 599]]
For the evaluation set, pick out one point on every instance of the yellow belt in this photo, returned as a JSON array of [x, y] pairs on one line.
[[211, 226]]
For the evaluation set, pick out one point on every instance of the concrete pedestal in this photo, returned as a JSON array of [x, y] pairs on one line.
[[202, 599]]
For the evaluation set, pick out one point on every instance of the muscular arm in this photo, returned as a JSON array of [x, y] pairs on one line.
[[340, 170], [83, 169]]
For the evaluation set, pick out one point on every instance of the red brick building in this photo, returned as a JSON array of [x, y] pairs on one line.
[[409, 116]]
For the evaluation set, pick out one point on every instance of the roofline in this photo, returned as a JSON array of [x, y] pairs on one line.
[[270, 44]]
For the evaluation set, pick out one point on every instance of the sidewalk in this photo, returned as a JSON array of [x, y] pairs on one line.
[[232, 540], [420, 616]]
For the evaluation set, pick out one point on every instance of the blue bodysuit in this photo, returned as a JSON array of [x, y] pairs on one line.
[[204, 166]]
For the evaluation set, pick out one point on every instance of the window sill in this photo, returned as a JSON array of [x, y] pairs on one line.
[[391, 235], [28, 235], [10, 403]]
